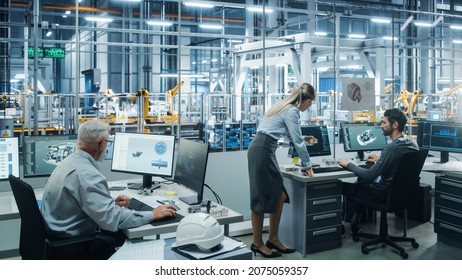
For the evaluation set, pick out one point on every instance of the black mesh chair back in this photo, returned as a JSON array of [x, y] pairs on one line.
[[32, 241], [402, 191]]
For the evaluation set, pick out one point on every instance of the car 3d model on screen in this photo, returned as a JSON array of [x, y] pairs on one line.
[[366, 137], [57, 153], [137, 154]]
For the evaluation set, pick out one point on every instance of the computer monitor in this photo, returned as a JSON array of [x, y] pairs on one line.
[[9, 157], [145, 154], [445, 137], [191, 167], [362, 137], [42, 153], [320, 145]]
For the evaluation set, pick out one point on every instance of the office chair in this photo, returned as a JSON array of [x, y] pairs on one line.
[[34, 243], [401, 191]]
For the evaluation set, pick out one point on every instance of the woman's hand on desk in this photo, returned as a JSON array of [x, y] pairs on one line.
[[122, 200], [164, 211], [308, 172]]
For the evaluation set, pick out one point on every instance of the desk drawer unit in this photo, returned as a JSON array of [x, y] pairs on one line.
[[323, 215], [448, 210]]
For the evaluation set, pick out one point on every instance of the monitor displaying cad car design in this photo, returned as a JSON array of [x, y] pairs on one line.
[[361, 137], [42, 153]]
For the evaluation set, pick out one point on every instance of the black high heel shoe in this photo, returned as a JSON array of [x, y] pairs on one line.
[[284, 251], [255, 250]]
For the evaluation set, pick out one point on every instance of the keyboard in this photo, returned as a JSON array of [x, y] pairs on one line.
[[327, 169], [366, 165], [137, 205]]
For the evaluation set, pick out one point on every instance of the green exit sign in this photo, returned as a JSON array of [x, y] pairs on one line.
[[46, 52], [54, 53]]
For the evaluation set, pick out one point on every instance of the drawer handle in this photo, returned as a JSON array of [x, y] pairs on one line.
[[325, 216], [324, 231], [451, 227], [325, 186], [451, 184], [450, 198], [324, 201], [452, 213]]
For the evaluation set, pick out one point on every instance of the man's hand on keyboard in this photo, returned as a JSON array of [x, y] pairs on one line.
[[343, 162], [164, 211], [373, 158], [122, 200]]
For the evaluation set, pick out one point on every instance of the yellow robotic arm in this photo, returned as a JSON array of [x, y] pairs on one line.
[[404, 97], [171, 93], [144, 93], [452, 90]]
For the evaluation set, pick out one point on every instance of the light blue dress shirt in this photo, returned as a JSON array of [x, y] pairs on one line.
[[287, 124], [76, 200]]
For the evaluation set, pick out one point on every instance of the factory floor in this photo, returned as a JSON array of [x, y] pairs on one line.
[[429, 249]]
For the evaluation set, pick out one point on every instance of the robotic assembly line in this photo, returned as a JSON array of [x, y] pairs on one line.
[[55, 112]]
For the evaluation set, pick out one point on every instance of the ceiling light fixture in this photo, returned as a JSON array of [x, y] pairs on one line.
[[356, 36], [457, 41], [98, 19], [455, 27], [381, 20], [199, 5], [159, 23], [211, 26], [389, 38], [320, 33], [182, 75], [259, 10], [48, 33], [422, 24]]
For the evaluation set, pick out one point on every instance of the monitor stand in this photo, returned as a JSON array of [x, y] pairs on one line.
[[190, 200], [443, 158], [361, 155], [146, 184]]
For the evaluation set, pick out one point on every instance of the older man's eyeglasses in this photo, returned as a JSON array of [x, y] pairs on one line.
[[108, 142]]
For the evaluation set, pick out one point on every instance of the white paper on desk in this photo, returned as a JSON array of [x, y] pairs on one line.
[[140, 250], [228, 245]]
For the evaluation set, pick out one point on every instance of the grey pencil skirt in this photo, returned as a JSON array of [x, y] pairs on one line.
[[265, 177]]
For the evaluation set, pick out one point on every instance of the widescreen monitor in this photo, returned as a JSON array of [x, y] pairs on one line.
[[9, 157], [42, 153], [145, 154], [191, 167], [445, 137], [362, 137]]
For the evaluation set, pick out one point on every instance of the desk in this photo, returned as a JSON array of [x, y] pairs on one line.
[[169, 254], [312, 221], [431, 165], [148, 230]]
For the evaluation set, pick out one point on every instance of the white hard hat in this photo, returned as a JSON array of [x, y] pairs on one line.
[[199, 229]]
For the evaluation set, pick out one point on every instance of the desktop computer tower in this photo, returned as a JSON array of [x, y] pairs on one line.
[[420, 209]]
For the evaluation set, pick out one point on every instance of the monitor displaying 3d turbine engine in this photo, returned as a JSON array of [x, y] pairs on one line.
[[42, 153]]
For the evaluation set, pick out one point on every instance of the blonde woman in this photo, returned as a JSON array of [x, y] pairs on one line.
[[267, 192]]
